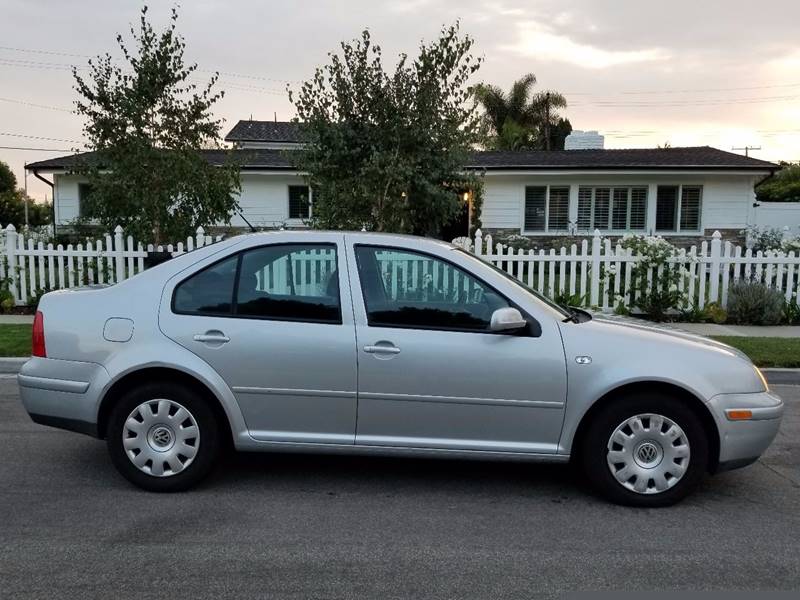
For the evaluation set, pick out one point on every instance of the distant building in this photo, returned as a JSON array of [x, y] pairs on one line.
[[584, 140]]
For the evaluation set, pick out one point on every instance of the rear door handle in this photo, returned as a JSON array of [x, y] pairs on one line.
[[212, 337], [381, 349]]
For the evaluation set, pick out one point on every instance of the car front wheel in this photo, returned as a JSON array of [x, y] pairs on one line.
[[645, 450], [163, 437]]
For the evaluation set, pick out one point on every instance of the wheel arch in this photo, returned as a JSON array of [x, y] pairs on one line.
[[144, 375], [679, 393]]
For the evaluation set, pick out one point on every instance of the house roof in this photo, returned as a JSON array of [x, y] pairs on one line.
[[696, 157], [256, 158], [693, 158], [265, 131]]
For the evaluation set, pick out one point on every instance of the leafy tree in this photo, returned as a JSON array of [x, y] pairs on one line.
[[386, 150], [521, 119], [8, 181], [12, 203], [783, 187], [149, 121]]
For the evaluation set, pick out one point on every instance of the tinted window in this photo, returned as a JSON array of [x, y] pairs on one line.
[[291, 282], [209, 292], [408, 289]]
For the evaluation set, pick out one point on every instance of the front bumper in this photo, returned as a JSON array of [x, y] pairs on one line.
[[62, 393], [743, 441]]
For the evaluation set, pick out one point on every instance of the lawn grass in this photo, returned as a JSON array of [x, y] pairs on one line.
[[767, 351], [15, 340]]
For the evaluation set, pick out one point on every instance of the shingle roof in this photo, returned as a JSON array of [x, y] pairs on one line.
[[257, 158], [697, 157], [703, 157], [265, 131]]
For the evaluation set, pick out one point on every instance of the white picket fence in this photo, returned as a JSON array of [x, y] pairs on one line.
[[594, 273], [600, 273], [31, 267]]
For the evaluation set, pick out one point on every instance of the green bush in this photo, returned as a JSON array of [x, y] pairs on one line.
[[791, 312], [755, 304]]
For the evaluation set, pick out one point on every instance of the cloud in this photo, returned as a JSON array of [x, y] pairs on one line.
[[541, 42]]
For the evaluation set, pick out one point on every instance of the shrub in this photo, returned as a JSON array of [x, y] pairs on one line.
[[655, 288], [791, 312], [764, 239], [755, 304]]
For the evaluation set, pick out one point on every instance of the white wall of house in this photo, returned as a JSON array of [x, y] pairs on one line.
[[264, 199], [66, 197], [727, 199]]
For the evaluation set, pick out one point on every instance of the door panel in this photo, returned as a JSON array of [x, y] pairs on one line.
[[448, 388], [294, 380]]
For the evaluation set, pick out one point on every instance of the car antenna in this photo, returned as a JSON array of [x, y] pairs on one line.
[[249, 224]]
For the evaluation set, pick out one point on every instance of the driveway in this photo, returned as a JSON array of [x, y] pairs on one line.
[[295, 526]]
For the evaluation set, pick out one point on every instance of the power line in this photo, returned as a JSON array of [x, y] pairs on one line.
[[33, 104], [36, 149], [38, 137]]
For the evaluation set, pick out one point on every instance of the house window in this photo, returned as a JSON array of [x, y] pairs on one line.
[[558, 209], [618, 208], [675, 215], [299, 202], [85, 199], [546, 208]]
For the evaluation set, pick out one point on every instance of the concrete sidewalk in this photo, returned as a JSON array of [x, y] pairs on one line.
[[16, 319], [712, 329]]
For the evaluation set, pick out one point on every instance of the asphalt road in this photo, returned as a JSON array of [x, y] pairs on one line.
[[296, 526]]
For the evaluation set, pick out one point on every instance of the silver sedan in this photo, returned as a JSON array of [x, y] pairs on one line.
[[383, 344]]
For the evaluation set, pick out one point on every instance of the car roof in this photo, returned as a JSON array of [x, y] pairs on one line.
[[381, 237]]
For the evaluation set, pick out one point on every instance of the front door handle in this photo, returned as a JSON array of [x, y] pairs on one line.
[[212, 337], [381, 349]]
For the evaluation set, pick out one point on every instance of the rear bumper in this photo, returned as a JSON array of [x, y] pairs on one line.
[[62, 393], [743, 441]]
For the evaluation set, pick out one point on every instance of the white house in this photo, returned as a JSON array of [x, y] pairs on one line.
[[677, 192]]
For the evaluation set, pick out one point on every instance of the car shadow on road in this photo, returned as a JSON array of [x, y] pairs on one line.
[[343, 473]]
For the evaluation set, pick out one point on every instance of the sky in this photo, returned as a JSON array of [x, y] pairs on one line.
[[724, 73]]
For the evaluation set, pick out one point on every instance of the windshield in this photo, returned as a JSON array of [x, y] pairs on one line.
[[564, 311]]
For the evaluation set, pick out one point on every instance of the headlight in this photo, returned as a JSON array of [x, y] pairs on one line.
[[762, 378]]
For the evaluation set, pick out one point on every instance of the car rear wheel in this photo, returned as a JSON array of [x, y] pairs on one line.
[[645, 450], [163, 437]]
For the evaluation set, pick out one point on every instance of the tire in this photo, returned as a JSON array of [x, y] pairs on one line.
[[658, 455], [175, 446]]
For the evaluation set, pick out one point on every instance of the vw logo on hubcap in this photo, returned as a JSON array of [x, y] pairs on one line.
[[161, 438], [648, 454]]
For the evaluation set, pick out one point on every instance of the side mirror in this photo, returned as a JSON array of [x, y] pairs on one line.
[[506, 319]]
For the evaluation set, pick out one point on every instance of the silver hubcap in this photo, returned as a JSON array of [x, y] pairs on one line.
[[648, 453], [161, 437]]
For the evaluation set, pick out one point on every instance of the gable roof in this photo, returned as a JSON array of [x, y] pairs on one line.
[[687, 159], [265, 131], [695, 157]]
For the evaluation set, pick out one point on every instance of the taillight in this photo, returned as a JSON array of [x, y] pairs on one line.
[[37, 344]]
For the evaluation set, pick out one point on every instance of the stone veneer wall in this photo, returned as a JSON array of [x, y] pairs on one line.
[[556, 241]]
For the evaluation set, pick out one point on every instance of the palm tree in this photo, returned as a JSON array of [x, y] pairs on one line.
[[518, 119]]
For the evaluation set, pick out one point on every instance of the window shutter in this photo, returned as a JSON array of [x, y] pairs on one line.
[[534, 208], [584, 208], [666, 207], [690, 207], [298, 201], [602, 207], [619, 215], [558, 209], [638, 208]]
